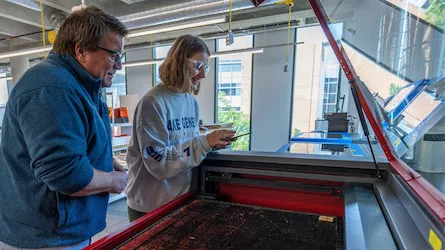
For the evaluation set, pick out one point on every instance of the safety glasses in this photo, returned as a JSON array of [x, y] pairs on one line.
[[198, 66], [117, 56]]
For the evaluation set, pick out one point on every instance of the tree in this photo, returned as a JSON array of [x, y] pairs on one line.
[[296, 132], [241, 122], [435, 14], [394, 89]]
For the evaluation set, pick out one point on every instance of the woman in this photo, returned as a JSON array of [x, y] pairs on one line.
[[166, 143]]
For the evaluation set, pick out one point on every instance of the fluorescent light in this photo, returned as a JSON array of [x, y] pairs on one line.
[[25, 52], [27, 4], [216, 54], [237, 52], [142, 62], [202, 22], [169, 10]]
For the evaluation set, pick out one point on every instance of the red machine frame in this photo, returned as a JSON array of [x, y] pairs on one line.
[[115, 239], [280, 198]]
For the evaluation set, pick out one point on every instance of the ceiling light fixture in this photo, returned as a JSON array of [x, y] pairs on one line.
[[202, 22], [169, 10], [237, 52], [142, 62], [25, 52], [214, 55]]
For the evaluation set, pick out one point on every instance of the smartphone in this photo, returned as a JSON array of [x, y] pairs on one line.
[[236, 136]]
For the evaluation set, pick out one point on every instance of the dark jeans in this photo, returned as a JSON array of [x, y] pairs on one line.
[[133, 214]]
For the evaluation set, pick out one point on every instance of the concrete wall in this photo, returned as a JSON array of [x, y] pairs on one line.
[[271, 93], [139, 79], [206, 96], [19, 65]]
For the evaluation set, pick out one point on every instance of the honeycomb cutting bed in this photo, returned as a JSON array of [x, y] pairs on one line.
[[218, 225]]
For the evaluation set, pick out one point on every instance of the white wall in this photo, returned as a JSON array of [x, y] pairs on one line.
[[139, 79], [19, 65], [4, 93], [271, 93], [206, 96]]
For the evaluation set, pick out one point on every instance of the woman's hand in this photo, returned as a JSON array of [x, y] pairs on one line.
[[218, 139], [117, 166]]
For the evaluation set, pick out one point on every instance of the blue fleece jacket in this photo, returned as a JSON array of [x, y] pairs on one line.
[[55, 131]]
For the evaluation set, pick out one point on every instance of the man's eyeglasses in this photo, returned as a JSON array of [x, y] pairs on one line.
[[198, 66], [118, 56]]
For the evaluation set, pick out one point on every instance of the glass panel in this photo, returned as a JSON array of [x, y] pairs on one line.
[[431, 11], [234, 85], [322, 101], [332, 143], [397, 48], [230, 67]]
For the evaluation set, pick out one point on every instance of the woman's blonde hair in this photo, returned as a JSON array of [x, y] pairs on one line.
[[174, 71]]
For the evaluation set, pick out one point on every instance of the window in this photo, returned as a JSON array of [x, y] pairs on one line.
[[330, 95], [316, 84], [230, 65], [118, 88], [234, 85], [229, 109], [408, 50], [159, 52], [331, 71], [230, 89]]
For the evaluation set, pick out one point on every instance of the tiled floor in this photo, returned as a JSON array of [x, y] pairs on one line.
[[117, 217]]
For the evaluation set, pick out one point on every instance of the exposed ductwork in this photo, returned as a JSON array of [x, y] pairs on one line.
[[148, 14], [185, 11], [54, 16], [30, 4], [157, 16]]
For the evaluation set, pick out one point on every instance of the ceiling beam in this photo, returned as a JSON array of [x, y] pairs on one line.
[[64, 6], [20, 14], [249, 25], [13, 28], [140, 6]]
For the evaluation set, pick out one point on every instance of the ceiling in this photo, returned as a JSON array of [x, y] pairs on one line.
[[20, 20]]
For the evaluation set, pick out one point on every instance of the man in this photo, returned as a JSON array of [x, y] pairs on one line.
[[56, 163]]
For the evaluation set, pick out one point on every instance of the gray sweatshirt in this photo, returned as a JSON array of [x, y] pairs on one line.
[[165, 146]]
